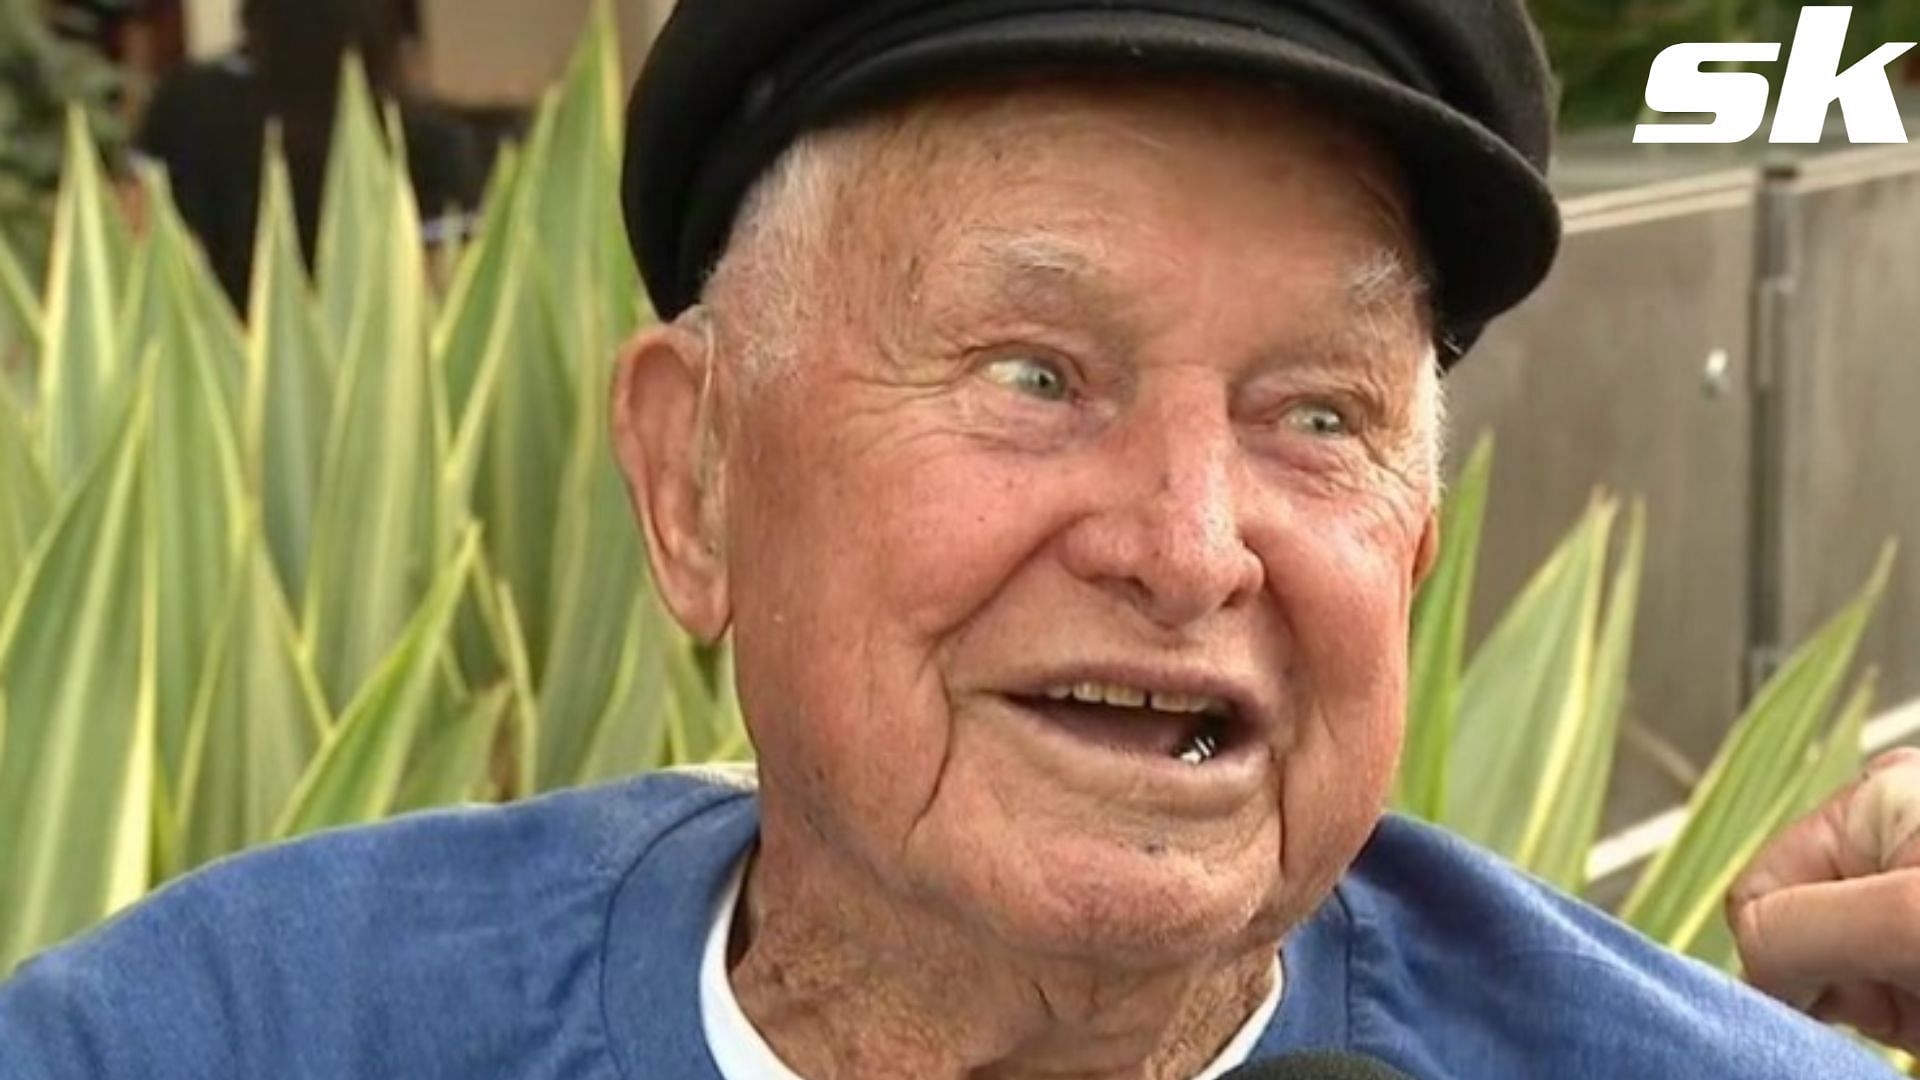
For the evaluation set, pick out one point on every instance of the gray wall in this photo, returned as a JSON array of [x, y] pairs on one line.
[[1850, 379], [1742, 350]]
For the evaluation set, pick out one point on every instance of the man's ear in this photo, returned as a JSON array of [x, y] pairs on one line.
[[660, 420], [1429, 551]]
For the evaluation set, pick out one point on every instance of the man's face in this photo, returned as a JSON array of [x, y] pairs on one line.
[[1070, 560]]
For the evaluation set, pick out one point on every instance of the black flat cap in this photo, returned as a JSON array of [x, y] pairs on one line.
[[1458, 90]]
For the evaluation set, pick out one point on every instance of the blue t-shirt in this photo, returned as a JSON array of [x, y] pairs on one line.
[[562, 938]]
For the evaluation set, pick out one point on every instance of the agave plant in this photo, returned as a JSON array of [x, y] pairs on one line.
[[1514, 747], [362, 552]]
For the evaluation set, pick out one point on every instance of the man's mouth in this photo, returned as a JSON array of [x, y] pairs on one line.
[[1194, 729]]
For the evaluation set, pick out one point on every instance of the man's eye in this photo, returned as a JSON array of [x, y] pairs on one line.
[[1319, 420], [1033, 376]]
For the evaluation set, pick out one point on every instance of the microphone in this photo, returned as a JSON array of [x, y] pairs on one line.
[[1317, 1067]]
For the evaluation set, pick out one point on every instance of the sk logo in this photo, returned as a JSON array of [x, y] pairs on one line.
[[1813, 83]]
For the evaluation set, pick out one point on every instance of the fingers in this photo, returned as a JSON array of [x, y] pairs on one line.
[[1847, 837], [1883, 815], [1799, 942], [1868, 1008], [1887, 1016], [1900, 755], [1812, 850], [1827, 917]]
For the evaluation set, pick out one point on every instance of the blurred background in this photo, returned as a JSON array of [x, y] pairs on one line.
[[1729, 349]]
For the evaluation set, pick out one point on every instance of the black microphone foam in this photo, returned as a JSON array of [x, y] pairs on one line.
[[1317, 1067]]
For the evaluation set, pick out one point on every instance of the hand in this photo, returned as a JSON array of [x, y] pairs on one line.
[[1827, 916]]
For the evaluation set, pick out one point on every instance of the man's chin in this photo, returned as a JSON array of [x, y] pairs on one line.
[[1131, 906]]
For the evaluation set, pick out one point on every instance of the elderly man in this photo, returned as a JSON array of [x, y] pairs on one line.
[[1050, 411]]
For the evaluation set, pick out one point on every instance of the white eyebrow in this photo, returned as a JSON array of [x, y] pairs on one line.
[[1035, 252], [1384, 277]]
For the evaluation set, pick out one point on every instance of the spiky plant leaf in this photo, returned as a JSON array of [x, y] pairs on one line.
[[575, 152], [1440, 620], [28, 504], [477, 337], [468, 318], [635, 731], [290, 382], [354, 246], [1835, 762], [521, 476], [501, 614], [1531, 679], [82, 370], [18, 303], [1564, 819], [378, 535], [1754, 782], [357, 775], [599, 575], [218, 329], [721, 733], [196, 475], [77, 659], [1841, 756], [259, 721], [451, 761]]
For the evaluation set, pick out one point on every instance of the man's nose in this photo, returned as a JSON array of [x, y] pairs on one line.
[[1166, 534]]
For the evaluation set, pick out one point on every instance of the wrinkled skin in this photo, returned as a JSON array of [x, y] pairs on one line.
[[1090, 387], [1827, 916]]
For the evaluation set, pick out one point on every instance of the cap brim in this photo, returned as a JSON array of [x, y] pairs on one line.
[[1490, 222]]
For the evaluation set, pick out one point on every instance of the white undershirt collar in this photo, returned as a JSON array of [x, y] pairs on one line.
[[742, 1054]]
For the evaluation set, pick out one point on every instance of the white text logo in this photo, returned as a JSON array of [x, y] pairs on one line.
[[1813, 83]]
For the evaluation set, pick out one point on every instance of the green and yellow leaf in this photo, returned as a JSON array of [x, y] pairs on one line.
[[260, 719], [1564, 820], [28, 504], [599, 576], [1754, 782], [355, 246], [451, 762], [18, 302], [357, 776], [196, 476], [1527, 686], [289, 384], [378, 538], [83, 368], [1440, 621], [77, 669]]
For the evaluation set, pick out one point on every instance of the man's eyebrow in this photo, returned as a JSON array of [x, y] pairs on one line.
[[1050, 278], [990, 281], [1038, 275], [1385, 278], [1389, 298], [1383, 320], [1031, 253]]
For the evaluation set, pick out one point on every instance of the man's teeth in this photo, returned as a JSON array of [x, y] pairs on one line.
[[1199, 748], [1131, 697]]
